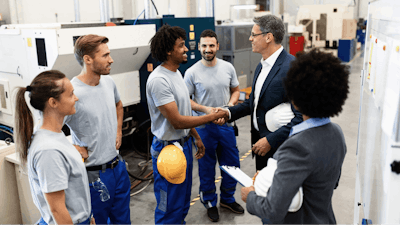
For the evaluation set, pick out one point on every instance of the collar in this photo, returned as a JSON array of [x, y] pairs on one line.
[[310, 123], [270, 61]]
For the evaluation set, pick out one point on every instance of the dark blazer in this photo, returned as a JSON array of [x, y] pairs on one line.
[[271, 95], [311, 159]]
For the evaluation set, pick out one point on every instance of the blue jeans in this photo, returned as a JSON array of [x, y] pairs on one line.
[[173, 200], [222, 138]]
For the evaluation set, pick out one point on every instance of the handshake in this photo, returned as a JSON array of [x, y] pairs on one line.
[[221, 115]]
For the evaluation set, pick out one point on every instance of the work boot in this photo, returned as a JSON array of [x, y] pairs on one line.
[[213, 214], [234, 207]]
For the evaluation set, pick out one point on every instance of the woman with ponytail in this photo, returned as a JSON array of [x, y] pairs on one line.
[[57, 175]]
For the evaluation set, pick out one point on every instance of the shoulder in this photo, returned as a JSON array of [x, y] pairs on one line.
[[288, 58], [225, 64]]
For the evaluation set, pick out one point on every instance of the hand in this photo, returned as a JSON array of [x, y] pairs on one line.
[[200, 148], [92, 221], [261, 147], [245, 191], [222, 120], [210, 110], [118, 140], [255, 175], [83, 151]]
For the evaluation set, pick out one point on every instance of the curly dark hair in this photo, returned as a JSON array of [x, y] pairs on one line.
[[164, 41], [318, 84], [209, 33]]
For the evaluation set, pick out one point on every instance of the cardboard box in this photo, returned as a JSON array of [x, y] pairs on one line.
[[349, 29]]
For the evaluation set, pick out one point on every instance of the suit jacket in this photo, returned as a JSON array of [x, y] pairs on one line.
[[311, 159], [272, 94]]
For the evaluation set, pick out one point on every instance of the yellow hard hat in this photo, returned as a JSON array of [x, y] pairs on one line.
[[171, 164]]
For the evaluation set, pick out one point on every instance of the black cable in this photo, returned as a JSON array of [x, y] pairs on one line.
[[154, 7]]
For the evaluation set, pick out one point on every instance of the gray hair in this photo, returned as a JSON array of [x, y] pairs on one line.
[[271, 24]]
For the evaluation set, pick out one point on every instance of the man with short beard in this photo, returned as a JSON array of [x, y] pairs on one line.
[[213, 83], [96, 130]]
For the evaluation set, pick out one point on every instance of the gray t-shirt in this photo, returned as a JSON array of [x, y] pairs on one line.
[[163, 87], [54, 164], [94, 124], [211, 85]]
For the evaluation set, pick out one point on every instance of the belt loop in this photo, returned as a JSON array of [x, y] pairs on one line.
[[103, 168]]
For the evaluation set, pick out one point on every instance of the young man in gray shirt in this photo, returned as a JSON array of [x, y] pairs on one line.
[[171, 121], [213, 83], [96, 130]]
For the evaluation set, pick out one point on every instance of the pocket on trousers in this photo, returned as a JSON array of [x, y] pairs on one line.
[[93, 176]]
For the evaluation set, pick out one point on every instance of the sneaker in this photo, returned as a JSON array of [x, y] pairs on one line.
[[213, 214], [234, 207]]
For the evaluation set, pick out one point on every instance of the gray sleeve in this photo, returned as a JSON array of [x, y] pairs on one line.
[[160, 91], [116, 93], [294, 166], [234, 79], [52, 169], [189, 81]]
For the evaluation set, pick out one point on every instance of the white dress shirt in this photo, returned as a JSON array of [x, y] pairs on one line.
[[266, 68]]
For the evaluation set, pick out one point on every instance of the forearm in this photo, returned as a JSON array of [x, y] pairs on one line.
[[61, 215], [186, 122], [234, 98], [56, 201], [120, 116], [194, 134], [198, 108]]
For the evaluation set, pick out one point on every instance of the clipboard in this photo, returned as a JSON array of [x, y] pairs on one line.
[[237, 174]]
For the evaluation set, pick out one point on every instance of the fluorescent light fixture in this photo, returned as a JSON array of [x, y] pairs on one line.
[[244, 6]]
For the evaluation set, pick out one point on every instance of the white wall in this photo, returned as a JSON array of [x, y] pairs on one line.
[[44, 11]]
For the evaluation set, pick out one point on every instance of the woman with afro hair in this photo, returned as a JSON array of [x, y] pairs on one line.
[[317, 84]]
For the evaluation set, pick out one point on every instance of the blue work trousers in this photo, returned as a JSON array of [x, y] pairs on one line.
[[116, 209], [173, 200], [222, 138]]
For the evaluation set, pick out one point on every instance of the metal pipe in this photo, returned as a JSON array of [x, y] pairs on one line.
[[77, 11], [198, 8], [169, 7], [208, 10], [102, 16], [112, 9], [107, 10], [146, 9]]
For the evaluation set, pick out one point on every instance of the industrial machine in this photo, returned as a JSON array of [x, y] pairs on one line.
[[324, 25], [27, 50]]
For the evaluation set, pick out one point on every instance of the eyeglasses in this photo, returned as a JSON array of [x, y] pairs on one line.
[[255, 35]]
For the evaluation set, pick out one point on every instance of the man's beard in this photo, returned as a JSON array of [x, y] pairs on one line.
[[205, 58]]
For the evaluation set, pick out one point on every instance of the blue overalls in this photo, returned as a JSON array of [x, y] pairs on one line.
[[116, 209], [173, 200], [223, 138]]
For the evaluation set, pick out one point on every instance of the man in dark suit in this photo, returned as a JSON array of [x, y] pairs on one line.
[[267, 89]]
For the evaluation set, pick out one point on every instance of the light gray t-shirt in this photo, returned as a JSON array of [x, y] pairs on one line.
[[163, 87], [94, 124], [211, 86], [54, 164]]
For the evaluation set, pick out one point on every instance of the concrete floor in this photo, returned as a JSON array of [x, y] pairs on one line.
[[143, 204]]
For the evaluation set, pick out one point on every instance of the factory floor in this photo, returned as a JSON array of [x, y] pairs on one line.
[[143, 204]]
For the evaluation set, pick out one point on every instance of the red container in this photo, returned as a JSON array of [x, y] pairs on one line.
[[296, 44]]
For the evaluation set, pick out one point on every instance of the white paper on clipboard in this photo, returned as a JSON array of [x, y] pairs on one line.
[[237, 174]]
